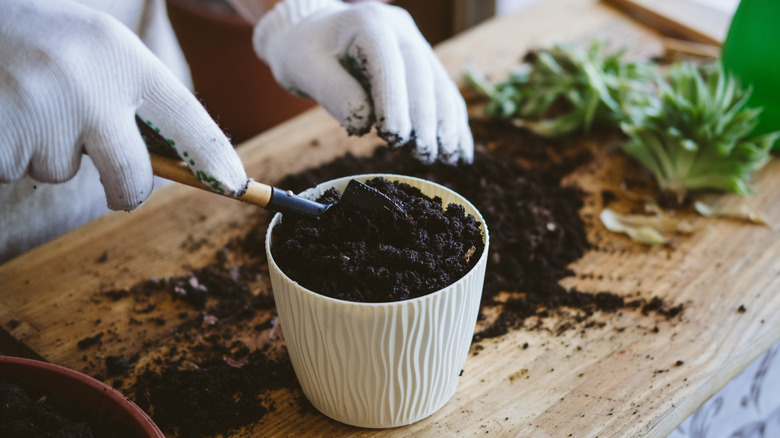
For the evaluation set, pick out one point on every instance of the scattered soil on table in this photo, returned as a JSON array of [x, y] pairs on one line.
[[210, 377], [365, 255], [29, 413], [204, 379], [213, 396], [515, 183]]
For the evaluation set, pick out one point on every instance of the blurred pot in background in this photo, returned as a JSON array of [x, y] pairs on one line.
[[751, 53], [72, 401], [235, 86]]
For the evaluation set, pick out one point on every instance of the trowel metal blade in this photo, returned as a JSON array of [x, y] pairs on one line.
[[367, 198]]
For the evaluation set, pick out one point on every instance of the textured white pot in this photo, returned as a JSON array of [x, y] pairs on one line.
[[379, 365]]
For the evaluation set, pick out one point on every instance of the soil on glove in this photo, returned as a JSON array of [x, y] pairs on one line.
[[355, 254]]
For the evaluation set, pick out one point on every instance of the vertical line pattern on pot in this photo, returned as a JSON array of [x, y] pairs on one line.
[[387, 354], [335, 358], [439, 379], [412, 359], [397, 365], [380, 365], [356, 395], [430, 373]]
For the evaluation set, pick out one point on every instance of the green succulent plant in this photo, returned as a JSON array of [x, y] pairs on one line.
[[565, 89], [694, 134]]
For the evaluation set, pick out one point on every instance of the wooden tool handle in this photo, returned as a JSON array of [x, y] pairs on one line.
[[675, 49], [175, 170]]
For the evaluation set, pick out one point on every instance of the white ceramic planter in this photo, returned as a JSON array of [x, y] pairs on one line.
[[379, 365]]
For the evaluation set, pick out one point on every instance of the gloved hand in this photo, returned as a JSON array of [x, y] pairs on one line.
[[72, 80], [367, 63]]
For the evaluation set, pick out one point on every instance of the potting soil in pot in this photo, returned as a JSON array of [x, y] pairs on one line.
[[356, 254]]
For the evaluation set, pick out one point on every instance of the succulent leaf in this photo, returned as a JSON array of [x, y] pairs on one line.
[[687, 123], [565, 89], [695, 135]]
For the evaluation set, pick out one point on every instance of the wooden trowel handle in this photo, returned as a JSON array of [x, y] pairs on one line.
[[256, 193]]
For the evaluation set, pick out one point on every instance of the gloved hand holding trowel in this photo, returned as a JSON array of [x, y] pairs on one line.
[[72, 80]]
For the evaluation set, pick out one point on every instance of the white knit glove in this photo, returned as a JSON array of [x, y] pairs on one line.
[[325, 49], [72, 80]]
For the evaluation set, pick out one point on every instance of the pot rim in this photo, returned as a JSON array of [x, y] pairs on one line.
[[117, 401]]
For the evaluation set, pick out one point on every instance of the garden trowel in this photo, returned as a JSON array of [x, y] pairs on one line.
[[357, 194]]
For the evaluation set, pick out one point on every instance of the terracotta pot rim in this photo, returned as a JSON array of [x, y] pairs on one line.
[[223, 18], [114, 399]]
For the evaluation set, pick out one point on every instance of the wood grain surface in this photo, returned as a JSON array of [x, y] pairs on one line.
[[630, 375], [681, 19]]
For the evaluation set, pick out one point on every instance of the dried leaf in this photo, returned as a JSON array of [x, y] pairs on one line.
[[643, 228], [236, 363], [188, 365], [470, 253], [629, 225], [739, 211], [209, 320]]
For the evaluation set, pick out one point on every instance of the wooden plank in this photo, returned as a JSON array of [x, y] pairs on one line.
[[621, 378], [679, 19]]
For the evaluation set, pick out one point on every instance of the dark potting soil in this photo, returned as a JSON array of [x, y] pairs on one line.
[[204, 381], [213, 396], [356, 254], [207, 382], [29, 413], [534, 220]]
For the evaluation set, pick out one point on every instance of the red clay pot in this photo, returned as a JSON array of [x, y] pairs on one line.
[[90, 395], [235, 86]]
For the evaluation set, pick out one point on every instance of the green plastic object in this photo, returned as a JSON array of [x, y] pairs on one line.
[[752, 52]]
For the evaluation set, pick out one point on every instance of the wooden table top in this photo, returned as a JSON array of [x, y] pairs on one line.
[[632, 375]]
